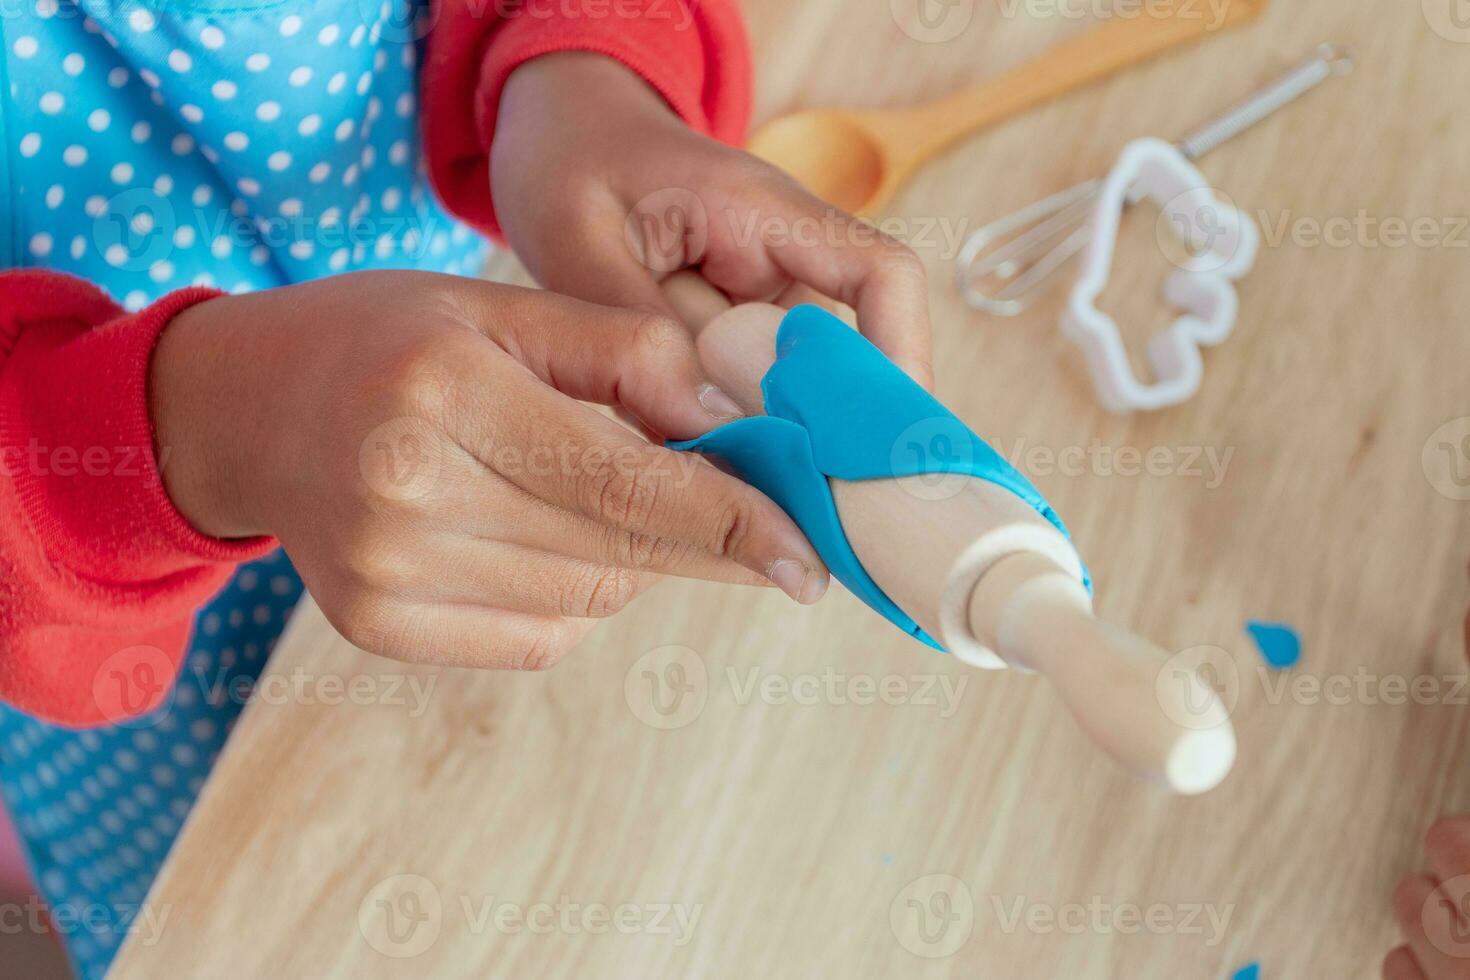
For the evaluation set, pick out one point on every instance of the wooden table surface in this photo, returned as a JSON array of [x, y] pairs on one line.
[[721, 784]]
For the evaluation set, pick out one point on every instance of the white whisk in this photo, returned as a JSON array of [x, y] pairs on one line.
[[1024, 250]]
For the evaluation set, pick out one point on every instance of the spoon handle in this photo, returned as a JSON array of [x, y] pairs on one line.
[[912, 136]]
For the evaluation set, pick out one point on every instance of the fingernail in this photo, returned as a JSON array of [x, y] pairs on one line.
[[720, 406], [798, 580]]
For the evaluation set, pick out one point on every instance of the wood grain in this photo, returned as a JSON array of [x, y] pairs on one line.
[[796, 829]]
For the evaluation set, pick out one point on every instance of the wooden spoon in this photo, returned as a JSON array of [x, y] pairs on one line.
[[857, 159]]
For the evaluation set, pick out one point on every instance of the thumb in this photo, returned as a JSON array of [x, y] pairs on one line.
[[644, 362]]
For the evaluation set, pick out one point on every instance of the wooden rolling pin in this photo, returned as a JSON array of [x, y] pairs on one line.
[[980, 570]]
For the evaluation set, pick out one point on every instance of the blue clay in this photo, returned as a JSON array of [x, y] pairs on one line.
[[837, 407]]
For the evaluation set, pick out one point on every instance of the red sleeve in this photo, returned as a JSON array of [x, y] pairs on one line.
[[694, 52], [100, 575]]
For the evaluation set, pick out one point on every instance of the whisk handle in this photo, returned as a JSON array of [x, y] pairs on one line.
[[1328, 62]]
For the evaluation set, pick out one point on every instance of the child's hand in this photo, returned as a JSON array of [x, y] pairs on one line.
[[415, 443], [602, 190], [1433, 909]]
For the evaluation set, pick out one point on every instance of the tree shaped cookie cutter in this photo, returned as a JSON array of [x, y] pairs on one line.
[[1221, 242]]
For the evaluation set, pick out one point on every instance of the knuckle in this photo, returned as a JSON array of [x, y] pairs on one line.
[[421, 372], [601, 591], [542, 649], [626, 495], [657, 337], [361, 617], [645, 550], [900, 261], [735, 521], [370, 564]]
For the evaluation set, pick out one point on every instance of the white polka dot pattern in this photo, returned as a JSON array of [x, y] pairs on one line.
[[98, 809], [311, 107]]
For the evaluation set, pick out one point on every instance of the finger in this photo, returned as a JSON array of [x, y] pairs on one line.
[[1447, 846], [515, 578], [799, 293], [517, 517], [643, 362], [1401, 965], [1430, 926], [471, 636], [850, 260], [636, 253], [617, 279], [694, 299], [610, 476]]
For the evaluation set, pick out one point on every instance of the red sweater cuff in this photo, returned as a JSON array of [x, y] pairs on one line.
[[693, 52], [94, 557]]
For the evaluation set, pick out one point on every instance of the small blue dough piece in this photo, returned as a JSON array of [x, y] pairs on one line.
[[1280, 645], [836, 406]]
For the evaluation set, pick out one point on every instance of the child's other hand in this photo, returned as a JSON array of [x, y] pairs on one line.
[[417, 444], [602, 191], [1433, 909]]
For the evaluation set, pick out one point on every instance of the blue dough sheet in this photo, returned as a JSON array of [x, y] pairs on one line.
[[836, 406]]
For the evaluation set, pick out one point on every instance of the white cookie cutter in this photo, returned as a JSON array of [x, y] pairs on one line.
[[1222, 242]]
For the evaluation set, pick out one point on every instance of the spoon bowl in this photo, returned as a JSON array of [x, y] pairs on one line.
[[829, 153]]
